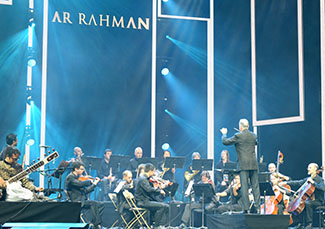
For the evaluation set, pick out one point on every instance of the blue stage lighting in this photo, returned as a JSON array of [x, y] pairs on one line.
[[166, 111], [165, 0], [32, 25], [165, 146], [165, 71], [167, 36], [31, 62]]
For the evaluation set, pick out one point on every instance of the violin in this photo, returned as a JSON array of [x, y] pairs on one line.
[[86, 178], [159, 183]]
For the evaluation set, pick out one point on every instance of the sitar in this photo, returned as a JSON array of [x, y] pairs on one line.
[[13, 184]]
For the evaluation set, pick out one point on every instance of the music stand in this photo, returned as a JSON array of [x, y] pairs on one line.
[[267, 190], [145, 160], [204, 191], [58, 174], [119, 162], [174, 162], [91, 162], [202, 164]]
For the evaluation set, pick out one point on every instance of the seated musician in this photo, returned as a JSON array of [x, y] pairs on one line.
[[9, 168], [317, 198], [125, 184], [107, 174], [77, 191], [272, 169], [205, 179], [233, 191], [166, 173], [77, 152], [134, 162], [144, 192], [222, 179], [191, 174]]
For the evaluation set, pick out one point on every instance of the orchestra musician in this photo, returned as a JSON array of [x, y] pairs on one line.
[[9, 168], [77, 152], [318, 195], [191, 174], [11, 140], [234, 192], [134, 162], [77, 191], [144, 192], [222, 179], [125, 184], [272, 169], [245, 142], [166, 173], [107, 173], [205, 179]]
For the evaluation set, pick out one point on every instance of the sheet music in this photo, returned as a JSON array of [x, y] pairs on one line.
[[119, 186], [189, 188]]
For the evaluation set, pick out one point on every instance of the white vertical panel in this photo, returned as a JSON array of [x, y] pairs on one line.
[[44, 82], [153, 78], [322, 34]]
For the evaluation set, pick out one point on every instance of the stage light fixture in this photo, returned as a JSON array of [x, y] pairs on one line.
[[167, 36], [165, 0], [166, 110], [31, 62], [165, 71], [165, 146], [30, 141]]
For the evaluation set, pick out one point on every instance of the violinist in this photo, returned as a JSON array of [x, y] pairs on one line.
[[317, 197], [77, 191], [143, 195], [205, 179], [9, 168], [234, 192]]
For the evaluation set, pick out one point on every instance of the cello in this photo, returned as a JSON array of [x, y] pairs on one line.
[[297, 204]]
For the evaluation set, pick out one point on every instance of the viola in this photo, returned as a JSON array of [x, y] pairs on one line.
[[159, 183]]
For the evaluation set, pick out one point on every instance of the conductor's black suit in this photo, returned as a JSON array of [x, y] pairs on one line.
[[245, 143]]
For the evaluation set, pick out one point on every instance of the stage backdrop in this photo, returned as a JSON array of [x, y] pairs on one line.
[[99, 76]]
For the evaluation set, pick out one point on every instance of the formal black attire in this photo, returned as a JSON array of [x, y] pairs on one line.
[[122, 206], [311, 204], [133, 166], [77, 192], [106, 185], [168, 175], [245, 143], [144, 194], [235, 203]]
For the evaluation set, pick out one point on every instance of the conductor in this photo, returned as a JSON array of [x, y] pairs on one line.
[[245, 142]]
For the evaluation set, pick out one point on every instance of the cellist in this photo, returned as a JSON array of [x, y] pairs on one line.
[[317, 197]]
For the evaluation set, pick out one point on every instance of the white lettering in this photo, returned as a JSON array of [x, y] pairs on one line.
[[56, 17], [101, 20], [121, 22]]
